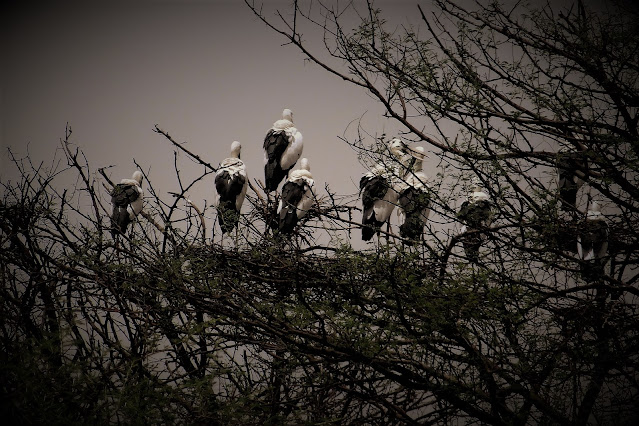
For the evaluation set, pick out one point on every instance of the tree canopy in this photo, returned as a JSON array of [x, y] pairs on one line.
[[167, 324]]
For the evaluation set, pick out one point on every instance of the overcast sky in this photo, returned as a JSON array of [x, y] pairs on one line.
[[207, 72]]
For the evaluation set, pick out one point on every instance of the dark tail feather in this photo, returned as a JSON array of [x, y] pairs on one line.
[[273, 175], [367, 232], [568, 198], [567, 239], [288, 221], [370, 228], [471, 247], [592, 270], [412, 229], [119, 221]]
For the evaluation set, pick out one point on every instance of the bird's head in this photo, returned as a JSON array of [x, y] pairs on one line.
[[417, 152], [304, 164], [137, 176], [476, 193], [236, 147], [287, 114], [594, 211], [397, 147]]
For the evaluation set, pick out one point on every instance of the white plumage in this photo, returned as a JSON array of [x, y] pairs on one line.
[[283, 146], [414, 197], [231, 184], [127, 198], [378, 189], [297, 197]]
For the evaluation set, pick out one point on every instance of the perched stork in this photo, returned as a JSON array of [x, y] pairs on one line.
[[127, 199], [414, 198], [571, 168], [592, 243], [378, 189], [297, 197], [231, 183], [475, 213], [283, 146]]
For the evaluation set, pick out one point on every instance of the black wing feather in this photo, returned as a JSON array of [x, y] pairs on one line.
[[275, 143], [594, 236], [475, 214], [292, 193], [569, 166], [124, 194], [413, 201], [228, 187], [373, 189]]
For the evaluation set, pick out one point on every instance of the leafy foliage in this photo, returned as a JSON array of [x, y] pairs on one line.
[[168, 325]]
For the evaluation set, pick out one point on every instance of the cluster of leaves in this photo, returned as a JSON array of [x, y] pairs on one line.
[[162, 325]]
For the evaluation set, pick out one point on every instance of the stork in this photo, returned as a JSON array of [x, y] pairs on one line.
[[592, 243], [476, 213], [414, 198], [571, 169], [378, 189], [297, 197], [231, 183], [283, 146], [127, 199]]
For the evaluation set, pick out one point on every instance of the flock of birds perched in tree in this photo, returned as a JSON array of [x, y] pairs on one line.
[[399, 182]]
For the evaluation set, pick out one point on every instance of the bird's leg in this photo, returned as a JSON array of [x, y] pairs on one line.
[[388, 232]]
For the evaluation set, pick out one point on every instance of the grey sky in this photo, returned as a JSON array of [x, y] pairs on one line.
[[207, 72]]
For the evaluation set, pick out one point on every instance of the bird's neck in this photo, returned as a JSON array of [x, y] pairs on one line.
[[283, 124], [130, 182]]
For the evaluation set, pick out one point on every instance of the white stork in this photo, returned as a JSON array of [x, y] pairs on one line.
[[378, 189], [414, 198], [127, 199], [476, 213], [231, 183], [297, 197], [571, 169], [283, 146], [592, 243]]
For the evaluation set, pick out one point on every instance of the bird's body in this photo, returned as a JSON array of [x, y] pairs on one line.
[[592, 243], [283, 146], [414, 199], [475, 213], [378, 189], [231, 184], [127, 199], [571, 170], [297, 198]]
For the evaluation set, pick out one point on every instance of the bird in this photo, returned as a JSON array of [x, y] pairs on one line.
[[127, 199], [414, 199], [297, 197], [283, 146], [592, 243], [571, 170], [378, 190], [231, 183], [475, 213]]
